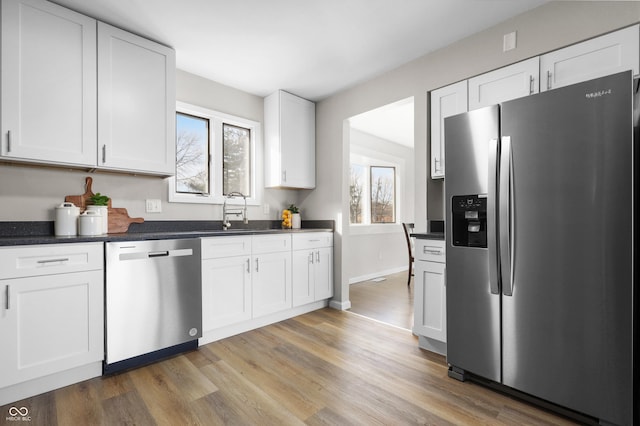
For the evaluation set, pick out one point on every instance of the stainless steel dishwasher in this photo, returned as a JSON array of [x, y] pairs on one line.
[[153, 302]]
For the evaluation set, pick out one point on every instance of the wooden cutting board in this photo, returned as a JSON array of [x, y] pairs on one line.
[[119, 219], [82, 201]]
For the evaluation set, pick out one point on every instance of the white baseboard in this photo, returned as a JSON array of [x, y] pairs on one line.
[[340, 306], [233, 329], [377, 274]]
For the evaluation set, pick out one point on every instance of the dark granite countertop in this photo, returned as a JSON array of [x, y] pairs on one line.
[[429, 235], [30, 233]]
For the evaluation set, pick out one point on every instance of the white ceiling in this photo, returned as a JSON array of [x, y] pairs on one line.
[[393, 122], [312, 48]]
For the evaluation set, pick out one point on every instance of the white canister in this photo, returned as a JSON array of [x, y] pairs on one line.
[[104, 212], [90, 223], [296, 221], [66, 223]]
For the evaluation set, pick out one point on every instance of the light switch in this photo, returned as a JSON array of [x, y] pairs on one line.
[[509, 42]]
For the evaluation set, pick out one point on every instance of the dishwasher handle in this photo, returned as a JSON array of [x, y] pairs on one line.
[[154, 254]]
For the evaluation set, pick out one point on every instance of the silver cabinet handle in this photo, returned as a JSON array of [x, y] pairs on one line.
[[104, 154], [318, 256], [257, 265], [8, 141], [62, 259], [531, 84], [548, 80], [248, 266], [8, 297], [427, 250], [310, 257]]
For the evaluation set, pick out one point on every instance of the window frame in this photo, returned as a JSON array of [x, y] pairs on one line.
[[216, 121]]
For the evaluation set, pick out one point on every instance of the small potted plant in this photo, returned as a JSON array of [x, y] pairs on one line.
[[100, 203], [295, 216]]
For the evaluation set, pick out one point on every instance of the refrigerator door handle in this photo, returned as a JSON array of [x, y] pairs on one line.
[[492, 222], [505, 218]]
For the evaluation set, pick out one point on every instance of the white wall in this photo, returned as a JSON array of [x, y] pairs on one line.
[[549, 27], [30, 193], [381, 249]]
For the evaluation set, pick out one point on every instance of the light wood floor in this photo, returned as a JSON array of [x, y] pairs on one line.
[[389, 301], [324, 368]]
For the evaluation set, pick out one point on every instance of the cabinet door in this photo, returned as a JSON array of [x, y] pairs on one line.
[[49, 324], [271, 283], [136, 109], [323, 273], [430, 313], [303, 277], [608, 54], [48, 84], [226, 291], [504, 84], [445, 102], [290, 141], [298, 133]]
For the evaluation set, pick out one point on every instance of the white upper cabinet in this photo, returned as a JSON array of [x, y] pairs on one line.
[[445, 102], [608, 54], [290, 141], [80, 93], [515, 81], [136, 110], [48, 84]]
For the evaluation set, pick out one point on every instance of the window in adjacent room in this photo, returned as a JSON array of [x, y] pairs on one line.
[[215, 156], [372, 191]]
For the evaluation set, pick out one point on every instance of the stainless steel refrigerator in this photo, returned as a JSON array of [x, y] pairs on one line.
[[540, 279]]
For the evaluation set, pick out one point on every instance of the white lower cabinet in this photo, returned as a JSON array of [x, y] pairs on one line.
[[51, 317], [251, 281], [271, 282], [430, 295], [312, 267], [226, 291]]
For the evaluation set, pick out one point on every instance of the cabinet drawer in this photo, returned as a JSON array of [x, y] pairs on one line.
[[216, 247], [312, 240], [29, 261], [271, 243], [430, 250]]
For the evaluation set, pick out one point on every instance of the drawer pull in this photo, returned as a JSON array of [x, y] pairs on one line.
[[8, 297], [65, 259], [437, 252]]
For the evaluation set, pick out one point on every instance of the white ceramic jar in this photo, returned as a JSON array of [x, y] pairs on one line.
[[66, 221], [104, 212], [90, 223], [296, 221]]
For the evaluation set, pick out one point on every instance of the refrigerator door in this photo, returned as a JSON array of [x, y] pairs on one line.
[[567, 327], [473, 311]]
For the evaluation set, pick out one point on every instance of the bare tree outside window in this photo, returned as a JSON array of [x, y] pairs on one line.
[[237, 160], [383, 194], [192, 154], [356, 190]]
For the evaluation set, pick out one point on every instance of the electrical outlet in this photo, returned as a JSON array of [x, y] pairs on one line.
[[153, 205], [265, 209]]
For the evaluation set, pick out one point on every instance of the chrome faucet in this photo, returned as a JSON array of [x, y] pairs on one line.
[[226, 224]]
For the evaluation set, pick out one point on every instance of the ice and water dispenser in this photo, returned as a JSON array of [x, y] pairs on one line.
[[469, 220]]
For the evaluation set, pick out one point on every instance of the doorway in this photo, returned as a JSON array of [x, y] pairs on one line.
[[381, 190]]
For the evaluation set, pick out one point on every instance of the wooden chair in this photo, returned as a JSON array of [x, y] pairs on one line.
[[408, 229]]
